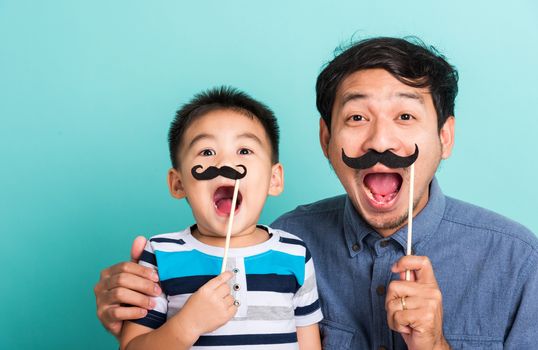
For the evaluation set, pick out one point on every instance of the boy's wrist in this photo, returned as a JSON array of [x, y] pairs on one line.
[[182, 326]]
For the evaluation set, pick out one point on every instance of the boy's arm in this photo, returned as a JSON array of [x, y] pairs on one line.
[[206, 310], [308, 337]]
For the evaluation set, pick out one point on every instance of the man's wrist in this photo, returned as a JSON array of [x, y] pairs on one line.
[[442, 344]]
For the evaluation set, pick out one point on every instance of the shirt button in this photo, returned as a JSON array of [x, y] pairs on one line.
[[236, 287], [235, 270], [380, 290], [384, 243], [356, 247], [237, 303]]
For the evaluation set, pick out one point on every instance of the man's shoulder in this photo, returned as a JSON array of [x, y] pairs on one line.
[[472, 216], [309, 218], [324, 206]]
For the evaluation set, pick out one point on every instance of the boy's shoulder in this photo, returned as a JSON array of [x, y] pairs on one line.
[[171, 240]]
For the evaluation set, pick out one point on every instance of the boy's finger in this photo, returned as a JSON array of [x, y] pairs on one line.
[[213, 283], [137, 248]]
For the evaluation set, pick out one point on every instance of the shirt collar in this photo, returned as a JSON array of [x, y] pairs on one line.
[[425, 223]]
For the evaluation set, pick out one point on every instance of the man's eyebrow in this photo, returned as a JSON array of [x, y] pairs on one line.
[[411, 95], [353, 96], [198, 138]]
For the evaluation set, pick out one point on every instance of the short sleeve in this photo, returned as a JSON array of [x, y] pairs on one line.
[[156, 317], [306, 300]]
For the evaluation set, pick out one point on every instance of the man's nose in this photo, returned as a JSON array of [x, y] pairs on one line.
[[381, 137]]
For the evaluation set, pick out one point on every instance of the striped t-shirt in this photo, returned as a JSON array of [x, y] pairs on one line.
[[274, 283]]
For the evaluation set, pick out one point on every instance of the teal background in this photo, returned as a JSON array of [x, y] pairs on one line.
[[88, 89]]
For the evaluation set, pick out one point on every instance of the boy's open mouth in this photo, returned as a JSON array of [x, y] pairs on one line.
[[382, 188], [222, 199]]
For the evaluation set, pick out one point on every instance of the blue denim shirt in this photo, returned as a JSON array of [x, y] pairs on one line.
[[485, 264]]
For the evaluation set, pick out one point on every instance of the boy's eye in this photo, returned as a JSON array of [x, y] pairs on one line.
[[207, 152], [357, 118], [244, 151], [406, 116]]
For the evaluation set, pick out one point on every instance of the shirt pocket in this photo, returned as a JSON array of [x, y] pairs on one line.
[[469, 342], [335, 336]]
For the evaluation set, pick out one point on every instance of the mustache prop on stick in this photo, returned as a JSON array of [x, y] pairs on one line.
[[230, 173], [393, 161], [212, 172], [387, 158]]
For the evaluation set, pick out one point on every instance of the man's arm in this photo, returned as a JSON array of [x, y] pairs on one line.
[[419, 316], [126, 283]]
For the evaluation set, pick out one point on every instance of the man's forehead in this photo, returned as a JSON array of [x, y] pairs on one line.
[[378, 84]]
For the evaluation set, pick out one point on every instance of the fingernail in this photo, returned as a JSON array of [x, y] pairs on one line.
[[154, 276], [156, 289], [143, 312], [151, 303]]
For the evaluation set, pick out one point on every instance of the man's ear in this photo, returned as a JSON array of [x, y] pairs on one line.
[[277, 180], [324, 137], [446, 135], [175, 185]]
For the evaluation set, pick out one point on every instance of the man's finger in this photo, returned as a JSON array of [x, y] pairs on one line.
[[213, 283], [133, 269], [133, 282], [121, 313], [119, 296], [421, 265], [138, 247], [408, 303]]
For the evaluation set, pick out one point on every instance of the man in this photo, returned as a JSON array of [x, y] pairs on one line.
[[474, 278]]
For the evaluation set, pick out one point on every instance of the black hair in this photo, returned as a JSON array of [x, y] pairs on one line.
[[223, 97], [409, 60]]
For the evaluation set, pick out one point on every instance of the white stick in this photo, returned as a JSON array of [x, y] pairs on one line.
[[410, 217], [230, 223]]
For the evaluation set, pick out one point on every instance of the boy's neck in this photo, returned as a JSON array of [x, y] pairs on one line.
[[249, 237]]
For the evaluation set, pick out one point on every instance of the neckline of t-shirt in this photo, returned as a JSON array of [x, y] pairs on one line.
[[256, 249]]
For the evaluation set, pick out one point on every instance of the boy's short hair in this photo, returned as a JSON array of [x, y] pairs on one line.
[[221, 98]]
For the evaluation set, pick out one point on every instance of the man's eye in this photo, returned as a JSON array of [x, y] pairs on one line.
[[406, 116], [244, 151], [357, 118], [208, 152]]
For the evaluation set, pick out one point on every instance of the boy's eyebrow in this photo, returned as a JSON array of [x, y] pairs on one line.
[[198, 138], [251, 136]]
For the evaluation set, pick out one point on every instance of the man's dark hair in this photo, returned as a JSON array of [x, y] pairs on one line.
[[221, 98], [409, 60]]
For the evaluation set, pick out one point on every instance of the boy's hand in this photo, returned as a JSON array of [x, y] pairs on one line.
[[207, 309], [125, 283]]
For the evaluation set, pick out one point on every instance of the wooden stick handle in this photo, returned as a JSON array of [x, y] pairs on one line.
[[230, 224]]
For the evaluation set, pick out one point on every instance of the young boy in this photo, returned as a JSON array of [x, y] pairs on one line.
[[220, 135]]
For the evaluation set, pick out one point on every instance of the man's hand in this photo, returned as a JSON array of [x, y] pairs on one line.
[[419, 316], [206, 310], [125, 283]]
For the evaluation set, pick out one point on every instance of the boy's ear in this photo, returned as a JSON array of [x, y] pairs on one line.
[[175, 185], [277, 180]]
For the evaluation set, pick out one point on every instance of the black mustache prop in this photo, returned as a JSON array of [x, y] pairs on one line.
[[212, 172], [387, 158]]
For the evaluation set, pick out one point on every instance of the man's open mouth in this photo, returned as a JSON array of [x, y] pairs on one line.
[[222, 199], [382, 188]]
